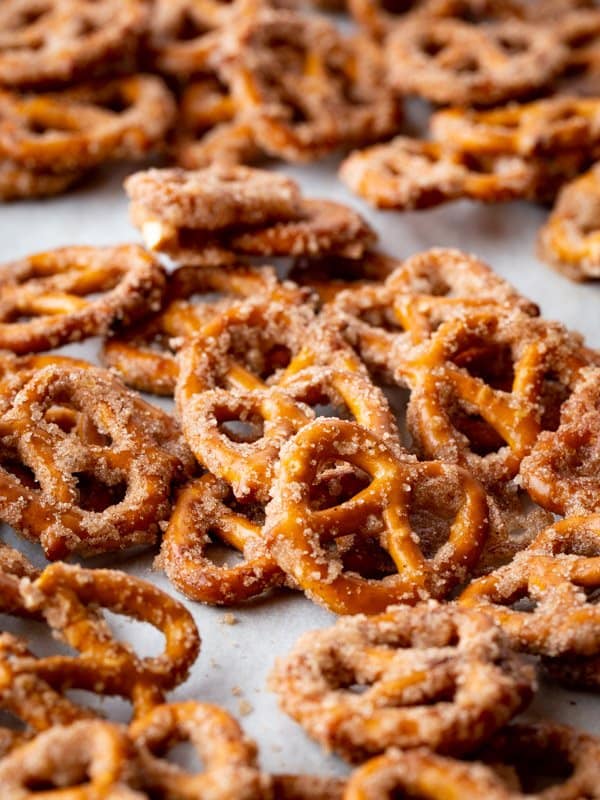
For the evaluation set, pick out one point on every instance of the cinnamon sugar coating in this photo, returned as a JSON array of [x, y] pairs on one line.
[[430, 676]]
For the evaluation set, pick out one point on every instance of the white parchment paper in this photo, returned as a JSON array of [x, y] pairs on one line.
[[236, 659]]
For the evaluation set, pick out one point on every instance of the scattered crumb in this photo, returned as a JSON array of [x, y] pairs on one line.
[[228, 619], [245, 708], [236, 691]]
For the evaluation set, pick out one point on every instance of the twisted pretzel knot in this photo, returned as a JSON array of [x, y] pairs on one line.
[[79, 128], [306, 90], [385, 322], [229, 758], [301, 537], [449, 61], [98, 461], [52, 288], [561, 472], [557, 571], [88, 759], [54, 40], [449, 399], [423, 671], [145, 354], [68, 598]]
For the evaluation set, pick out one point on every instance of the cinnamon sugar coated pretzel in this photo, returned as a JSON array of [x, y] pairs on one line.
[[51, 288], [432, 675]]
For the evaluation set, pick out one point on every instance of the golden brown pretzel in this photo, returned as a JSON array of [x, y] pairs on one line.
[[144, 354], [305, 89], [425, 775], [569, 240], [300, 536], [431, 676], [88, 760], [200, 510], [94, 477], [64, 595], [407, 174], [556, 573], [52, 287], [49, 41], [79, 128], [385, 321], [479, 385], [450, 61], [561, 472], [222, 374], [229, 757]]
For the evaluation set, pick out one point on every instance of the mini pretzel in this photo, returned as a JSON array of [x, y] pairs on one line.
[[300, 536], [88, 759], [410, 174], [380, 17], [212, 199], [306, 90], [144, 355], [48, 41], [236, 351], [570, 239], [547, 747], [27, 697], [385, 321], [78, 128], [201, 509], [184, 34], [431, 675], [554, 572], [562, 472], [422, 774], [52, 287], [208, 128], [102, 469], [228, 757], [450, 61], [543, 127], [105, 664], [480, 395], [17, 183]]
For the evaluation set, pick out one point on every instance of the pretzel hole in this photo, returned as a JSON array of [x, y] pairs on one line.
[[434, 504], [537, 769], [522, 602], [87, 27], [554, 393], [20, 471], [125, 629], [513, 45], [97, 495], [31, 15], [336, 484], [482, 438], [184, 755], [432, 47], [396, 6], [11, 722], [221, 555], [240, 430], [189, 28], [468, 65], [490, 362]]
